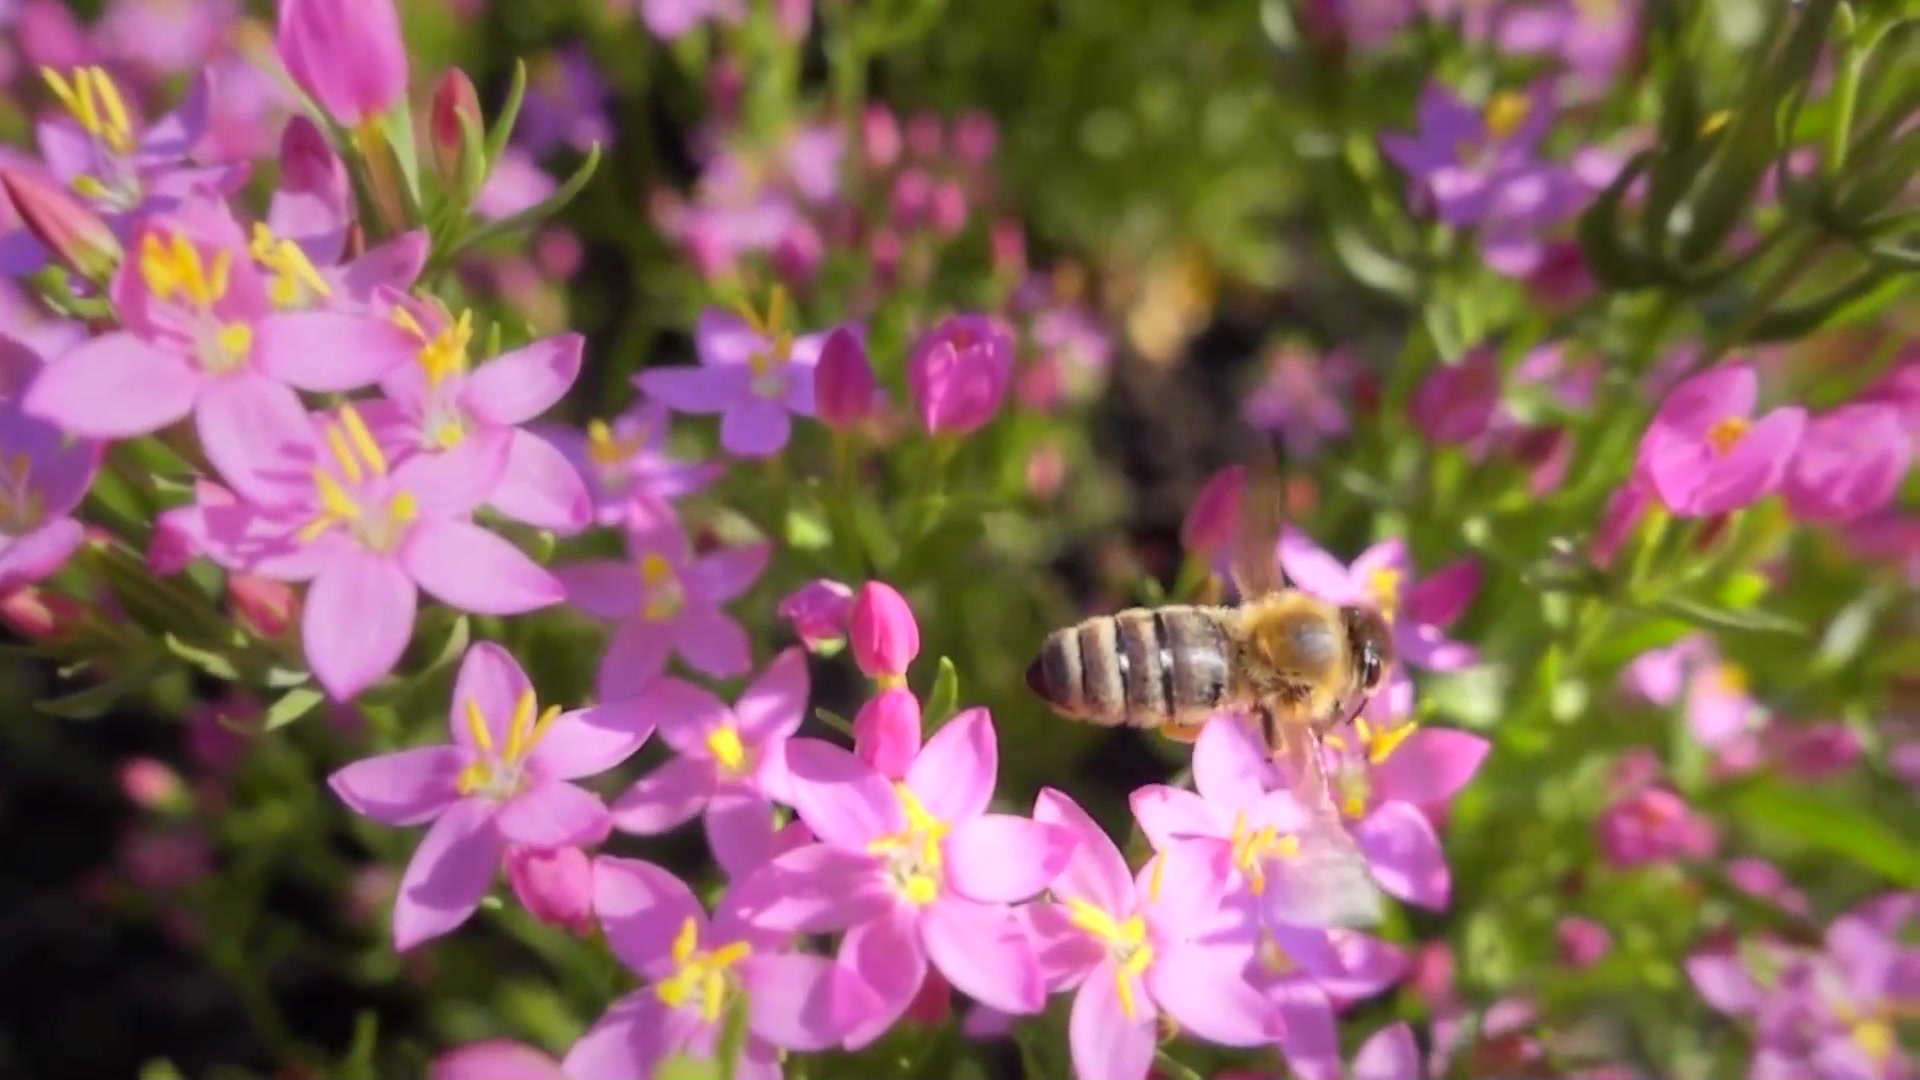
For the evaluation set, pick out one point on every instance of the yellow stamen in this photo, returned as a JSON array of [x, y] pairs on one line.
[[1505, 112], [702, 974], [1382, 744], [1385, 584], [521, 725], [1726, 434], [1875, 1038], [1252, 847], [477, 726], [1135, 965], [727, 749], [334, 500], [363, 440], [404, 320], [1729, 679], [95, 103], [343, 454], [922, 890], [173, 266], [1154, 879], [1093, 919], [602, 447], [235, 339], [446, 354], [294, 276]]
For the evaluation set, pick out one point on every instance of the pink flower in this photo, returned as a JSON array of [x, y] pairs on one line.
[[495, 1059], [1135, 946], [505, 779], [755, 379], [1650, 824], [887, 732], [1310, 976], [695, 968], [883, 633], [672, 19], [818, 612], [843, 382], [1456, 402], [1387, 782], [915, 871], [554, 885], [301, 247], [624, 462], [1704, 453], [347, 55], [958, 374], [1388, 1054], [1583, 942], [1849, 463], [1302, 397], [43, 476], [665, 601], [728, 764], [200, 338]]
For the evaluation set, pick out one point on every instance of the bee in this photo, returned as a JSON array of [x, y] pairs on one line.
[[1296, 664]]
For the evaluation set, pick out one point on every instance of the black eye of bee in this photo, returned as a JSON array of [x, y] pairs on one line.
[[1371, 640]]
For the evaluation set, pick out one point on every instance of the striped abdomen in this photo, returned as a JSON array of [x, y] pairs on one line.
[[1142, 667]]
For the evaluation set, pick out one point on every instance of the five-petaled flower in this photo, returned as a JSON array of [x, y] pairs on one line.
[[44, 473]]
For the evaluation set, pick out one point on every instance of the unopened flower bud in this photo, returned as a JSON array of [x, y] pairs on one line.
[[926, 136], [843, 382], [39, 615], [1583, 942], [265, 608], [1008, 241], [883, 633], [886, 732], [975, 137], [818, 611], [454, 125], [798, 253], [152, 784], [947, 208], [880, 137], [556, 887], [76, 236], [959, 374], [1456, 403], [912, 193]]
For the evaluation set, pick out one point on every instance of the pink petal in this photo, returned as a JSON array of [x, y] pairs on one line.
[[490, 681], [696, 389], [495, 1059], [1405, 855], [685, 714], [29, 559], [1430, 766], [712, 643], [841, 798], [1390, 1054], [1169, 814], [330, 352], [589, 741], [1311, 1044], [629, 1039], [554, 814], [1755, 468], [455, 482], [721, 337], [357, 623], [1231, 767], [666, 797], [740, 830], [518, 386], [1723, 979], [984, 951], [804, 1003], [403, 788], [1203, 989], [813, 889], [1096, 873], [1389, 555], [954, 774], [1103, 1041], [1003, 859], [114, 386], [634, 658], [470, 569], [886, 955], [755, 427], [259, 436], [643, 908], [1696, 404], [395, 264], [722, 575], [448, 875], [541, 488], [1312, 569], [1442, 596], [774, 705], [603, 588]]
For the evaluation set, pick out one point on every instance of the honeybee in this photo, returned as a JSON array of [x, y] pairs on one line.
[[1296, 664]]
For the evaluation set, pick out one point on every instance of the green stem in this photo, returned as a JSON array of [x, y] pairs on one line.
[[1846, 91], [1800, 258], [1176, 1068]]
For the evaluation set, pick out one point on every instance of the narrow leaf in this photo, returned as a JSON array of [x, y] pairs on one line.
[[1717, 618], [1813, 817], [944, 697], [292, 705]]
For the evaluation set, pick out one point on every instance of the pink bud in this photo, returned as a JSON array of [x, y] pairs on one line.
[[975, 137], [911, 195], [886, 732], [556, 887], [1850, 463], [264, 608], [926, 136], [880, 137], [959, 374], [932, 1003], [1209, 527], [558, 252], [798, 253], [1008, 240], [74, 234], [947, 212], [495, 1059], [39, 615], [1582, 941], [455, 105], [152, 784], [1046, 471], [346, 54], [884, 636], [886, 249], [1811, 753], [843, 382], [818, 611], [1456, 402]]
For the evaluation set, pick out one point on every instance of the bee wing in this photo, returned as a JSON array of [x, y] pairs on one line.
[[1330, 885], [1255, 560]]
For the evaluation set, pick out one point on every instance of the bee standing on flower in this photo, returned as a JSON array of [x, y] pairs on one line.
[[1297, 664]]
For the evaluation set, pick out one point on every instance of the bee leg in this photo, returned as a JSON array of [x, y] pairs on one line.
[[1185, 733]]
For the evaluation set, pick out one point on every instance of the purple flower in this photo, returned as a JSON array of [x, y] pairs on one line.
[[754, 377], [1592, 39], [1849, 463], [1456, 403], [347, 55], [1463, 157], [44, 473], [1389, 1054], [624, 463], [1137, 946], [1650, 823], [728, 764], [506, 778], [696, 968], [1302, 397], [1704, 454], [165, 36], [672, 19], [1385, 781], [666, 601], [1310, 975], [915, 872], [818, 611], [566, 104], [323, 503]]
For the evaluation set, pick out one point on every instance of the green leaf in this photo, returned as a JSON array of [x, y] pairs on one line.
[[944, 697], [1716, 618], [292, 705], [835, 721], [135, 674], [805, 531], [509, 114], [1813, 817], [1603, 237], [686, 1067], [538, 212], [213, 663], [733, 1037], [358, 1063], [159, 1069]]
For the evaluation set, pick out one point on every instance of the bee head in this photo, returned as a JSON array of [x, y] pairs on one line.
[[1371, 641]]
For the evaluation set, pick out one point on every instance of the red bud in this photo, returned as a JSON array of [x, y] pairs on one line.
[[455, 105], [76, 236]]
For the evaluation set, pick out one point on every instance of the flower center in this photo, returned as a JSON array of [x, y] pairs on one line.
[[1505, 112], [1125, 941], [1726, 434], [665, 598], [1273, 956], [500, 773], [727, 750], [610, 451], [295, 283], [1253, 847], [913, 854], [377, 520], [702, 980], [22, 507], [175, 272], [1384, 584], [443, 353], [1728, 679], [94, 102], [769, 366]]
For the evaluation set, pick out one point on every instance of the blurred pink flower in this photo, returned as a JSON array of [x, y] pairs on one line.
[[555, 885], [958, 374], [1311, 975], [1382, 576], [1651, 824], [882, 631], [1583, 942], [506, 778], [166, 37], [756, 384], [1763, 881], [728, 764], [1302, 397], [565, 105], [625, 464], [1456, 402], [44, 475], [1849, 463], [515, 183], [844, 385], [672, 19], [818, 611], [1390, 783], [347, 55], [1463, 156], [1705, 454], [495, 1059]]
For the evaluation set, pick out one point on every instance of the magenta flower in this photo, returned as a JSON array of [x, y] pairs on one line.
[[695, 969], [1456, 403], [672, 19], [755, 378], [1849, 463], [1137, 946], [1386, 782], [818, 612], [624, 462], [916, 872], [883, 634], [1463, 156], [442, 407], [201, 339], [1303, 398], [347, 55], [44, 474], [958, 373], [843, 382], [1649, 823], [492, 1059], [887, 732], [323, 504], [729, 762], [506, 778], [666, 601], [1310, 976], [1389, 1054], [1704, 453]]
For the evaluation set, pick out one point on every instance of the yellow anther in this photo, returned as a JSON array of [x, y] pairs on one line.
[[1154, 879], [1382, 744], [1875, 1038], [1726, 434], [334, 500], [343, 455], [445, 355], [173, 266], [521, 725], [403, 507], [95, 103], [295, 278], [1715, 121], [404, 320], [604, 449], [477, 727], [1251, 847], [235, 339], [1093, 919], [700, 975], [477, 776], [363, 440], [1135, 965], [1729, 679], [1505, 112], [922, 890], [655, 569], [724, 744], [1385, 584]]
